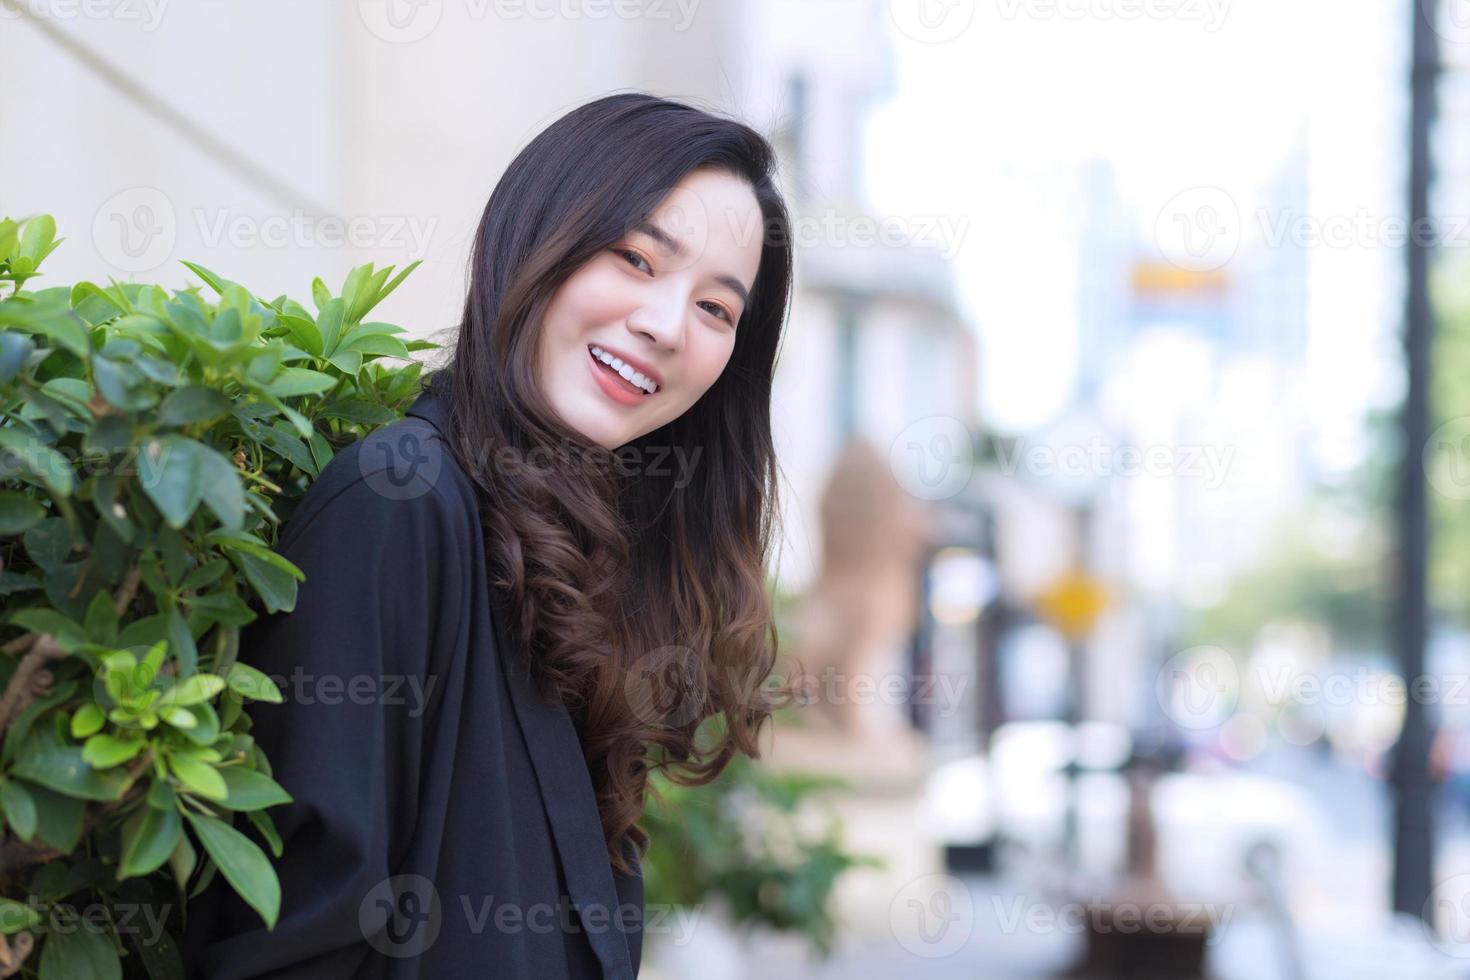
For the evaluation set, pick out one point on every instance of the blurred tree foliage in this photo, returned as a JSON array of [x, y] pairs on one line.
[[1333, 560]]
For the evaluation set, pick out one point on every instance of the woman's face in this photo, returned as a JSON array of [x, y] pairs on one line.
[[664, 301]]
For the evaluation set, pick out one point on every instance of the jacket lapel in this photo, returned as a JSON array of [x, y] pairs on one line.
[[561, 775]]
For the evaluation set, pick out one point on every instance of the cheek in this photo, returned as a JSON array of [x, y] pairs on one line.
[[707, 361], [592, 297]]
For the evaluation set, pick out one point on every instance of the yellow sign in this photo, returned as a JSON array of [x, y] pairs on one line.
[[1072, 603]]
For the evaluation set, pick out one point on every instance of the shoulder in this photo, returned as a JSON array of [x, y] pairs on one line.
[[400, 473]]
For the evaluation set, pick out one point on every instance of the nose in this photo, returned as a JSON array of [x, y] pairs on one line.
[[660, 321]]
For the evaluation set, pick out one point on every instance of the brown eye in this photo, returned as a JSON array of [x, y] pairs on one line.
[[626, 252], [718, 310]]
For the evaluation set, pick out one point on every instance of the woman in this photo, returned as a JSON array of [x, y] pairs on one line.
[[530, 621]]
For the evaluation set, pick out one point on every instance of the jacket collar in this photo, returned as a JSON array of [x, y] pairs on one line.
[[566, 790]]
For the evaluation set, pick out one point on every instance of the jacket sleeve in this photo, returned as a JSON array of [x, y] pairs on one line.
[[353, 661]]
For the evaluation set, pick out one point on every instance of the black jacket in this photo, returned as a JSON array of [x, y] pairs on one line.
[[429, 778]]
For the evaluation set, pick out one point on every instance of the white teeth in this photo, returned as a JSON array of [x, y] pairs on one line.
[[627, 373]]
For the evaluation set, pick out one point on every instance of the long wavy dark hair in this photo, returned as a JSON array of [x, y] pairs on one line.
[[617, 577]]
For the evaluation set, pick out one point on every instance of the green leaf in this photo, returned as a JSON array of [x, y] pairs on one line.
[[294, 382], [250, 790], [221, 488], [182, 860], [191, 405], [169, 472], [18, 513], [213, 281], [205, 731], [388, 289], [79, 950], [87, 721], [149, 836], [277, 589], [48, 621], [15, 916], [63, 769], [377, 344], [38, 458], [102, 620], [222, 607], [21, 726], [20, 808], [304, 332], [60, 325], [58, 817], [103, 751], [244, 865], [181, 641], [37, 238], [252, 683], [330, 323], [200, 777], [193, 690], [14, 349], [320, 295]]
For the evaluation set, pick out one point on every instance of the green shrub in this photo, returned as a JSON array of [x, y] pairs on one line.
[[152, 442], [741, 838]]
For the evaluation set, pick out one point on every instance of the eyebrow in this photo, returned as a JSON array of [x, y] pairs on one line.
[[674, 245]]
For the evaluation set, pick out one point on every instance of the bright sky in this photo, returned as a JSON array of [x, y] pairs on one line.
[[994, 123]]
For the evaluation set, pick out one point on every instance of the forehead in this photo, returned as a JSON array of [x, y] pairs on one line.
[[710, 219]]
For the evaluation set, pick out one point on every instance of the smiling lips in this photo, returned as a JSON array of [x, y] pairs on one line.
[[613, 384]]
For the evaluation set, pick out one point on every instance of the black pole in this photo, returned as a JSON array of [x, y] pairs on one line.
[[1413, 834]]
